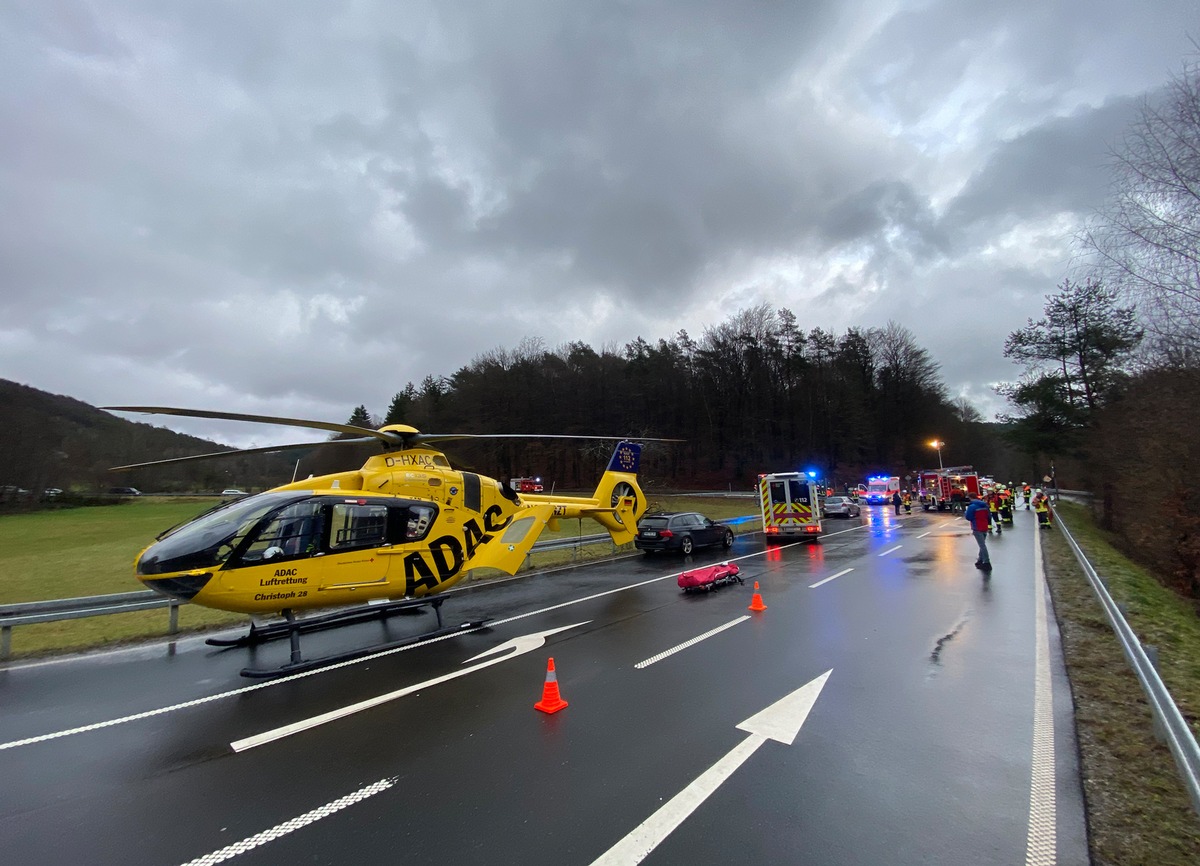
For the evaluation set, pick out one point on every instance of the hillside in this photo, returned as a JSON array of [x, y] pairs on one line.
[[51, 441]]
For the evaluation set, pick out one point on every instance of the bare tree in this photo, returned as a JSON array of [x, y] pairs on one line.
[[1148, 238], [965, 411]]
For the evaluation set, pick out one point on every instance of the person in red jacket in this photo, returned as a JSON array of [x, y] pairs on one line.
[[979, 516]]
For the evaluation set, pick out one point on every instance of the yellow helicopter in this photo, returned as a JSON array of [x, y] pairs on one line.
[[400, 529]]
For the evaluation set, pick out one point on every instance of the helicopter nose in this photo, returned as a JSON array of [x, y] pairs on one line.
[[183, 587]]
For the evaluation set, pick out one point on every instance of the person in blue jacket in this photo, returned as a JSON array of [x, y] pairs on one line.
[[980, 517]]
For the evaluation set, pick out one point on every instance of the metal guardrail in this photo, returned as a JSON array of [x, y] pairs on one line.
[[1168, 720], [30, 612]]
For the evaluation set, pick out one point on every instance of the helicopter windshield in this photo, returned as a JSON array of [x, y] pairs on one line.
[[210, 539]]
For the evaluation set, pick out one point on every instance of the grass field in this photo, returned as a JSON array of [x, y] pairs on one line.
[[90, 551]]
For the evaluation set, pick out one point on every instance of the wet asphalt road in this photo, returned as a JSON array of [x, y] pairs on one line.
[[920, 747]]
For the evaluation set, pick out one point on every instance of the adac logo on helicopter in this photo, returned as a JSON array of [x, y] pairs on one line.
[[447, 554]]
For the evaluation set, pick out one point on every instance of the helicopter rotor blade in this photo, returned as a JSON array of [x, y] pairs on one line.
[[388, 437], [241, 452], [445, 437], [392, 438]]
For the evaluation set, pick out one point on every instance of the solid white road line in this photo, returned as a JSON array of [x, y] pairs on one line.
[[521, 645], [1041, 840]]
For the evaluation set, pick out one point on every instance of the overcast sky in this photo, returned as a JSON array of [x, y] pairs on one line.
[[291, 208]]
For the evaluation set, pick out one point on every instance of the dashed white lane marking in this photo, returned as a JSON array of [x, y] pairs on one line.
[[923, 534], [831, 577], [891, 550], [1041, 841], [690, 643], [252, 842]]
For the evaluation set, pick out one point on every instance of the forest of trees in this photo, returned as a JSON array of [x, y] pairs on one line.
[[755, 393]]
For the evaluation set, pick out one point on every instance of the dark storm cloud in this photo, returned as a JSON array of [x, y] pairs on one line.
[[253, 204], [883, 208], [629, 144], [1062, 165]]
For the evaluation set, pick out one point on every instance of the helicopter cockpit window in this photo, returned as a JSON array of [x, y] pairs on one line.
[[296, 531], [209, 540], [358, 525]]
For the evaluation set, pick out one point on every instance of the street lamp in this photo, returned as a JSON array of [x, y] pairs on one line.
[[938, 444]]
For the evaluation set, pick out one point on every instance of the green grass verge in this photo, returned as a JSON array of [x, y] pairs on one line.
[[1138, 809], [74, 552]]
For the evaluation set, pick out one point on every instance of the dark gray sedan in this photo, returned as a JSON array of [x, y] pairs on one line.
[[840, 506], [682, 531]]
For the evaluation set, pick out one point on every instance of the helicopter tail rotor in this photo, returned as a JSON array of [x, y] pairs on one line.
[[619, 491]]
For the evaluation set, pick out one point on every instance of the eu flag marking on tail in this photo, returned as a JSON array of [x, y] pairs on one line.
[[626, 458]]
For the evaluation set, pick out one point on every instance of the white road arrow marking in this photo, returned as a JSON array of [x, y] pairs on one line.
[[780, 722], [520, 645]]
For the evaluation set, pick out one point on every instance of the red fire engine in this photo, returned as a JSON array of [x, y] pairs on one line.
[[526, 485], [949, 488]]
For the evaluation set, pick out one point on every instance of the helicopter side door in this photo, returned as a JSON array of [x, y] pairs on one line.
[[357, 529], [322, 545]]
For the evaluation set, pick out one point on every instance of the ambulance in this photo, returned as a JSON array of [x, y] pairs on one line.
[[880, 489], [791, 509]]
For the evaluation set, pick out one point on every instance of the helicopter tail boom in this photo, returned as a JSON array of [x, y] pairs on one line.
[[618, 502]]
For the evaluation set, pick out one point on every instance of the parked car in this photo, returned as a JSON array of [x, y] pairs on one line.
[[680, 530], [841, 506], [124, 491], [232, 491]]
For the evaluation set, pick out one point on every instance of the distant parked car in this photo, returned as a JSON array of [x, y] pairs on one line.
[[841, 506], [683, 531], [124, 491], [233, 491]]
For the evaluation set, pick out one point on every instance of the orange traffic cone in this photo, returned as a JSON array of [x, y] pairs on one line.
[[551, 701], [756, 602]]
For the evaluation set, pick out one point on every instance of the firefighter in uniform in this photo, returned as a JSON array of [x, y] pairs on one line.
[[993, 502], [1041, 505], [1026, 492]]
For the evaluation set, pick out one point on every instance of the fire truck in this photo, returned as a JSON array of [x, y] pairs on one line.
[[790, 506], [950, 488], [526, 485]]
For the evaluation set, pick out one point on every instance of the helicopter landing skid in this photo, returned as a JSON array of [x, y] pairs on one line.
[[335, 619], [293, 628]]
